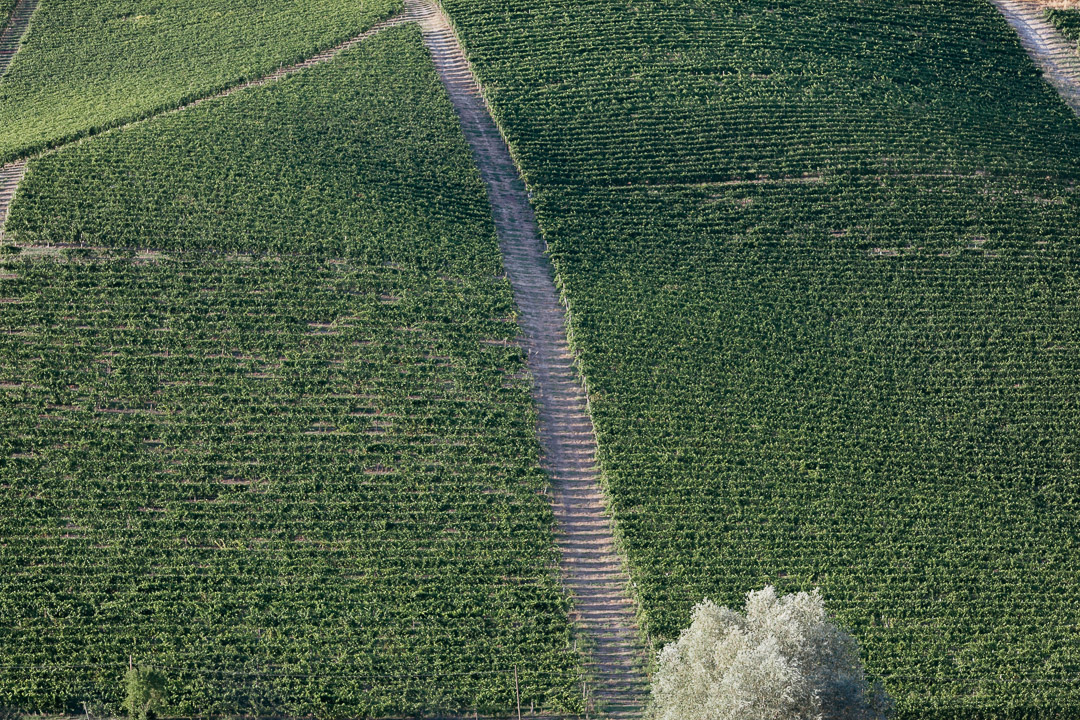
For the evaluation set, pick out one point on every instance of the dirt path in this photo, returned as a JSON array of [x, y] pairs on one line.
[[591, 568], [12, 36], [10, 40], [11, 174], [1055, 55], [10, 177]]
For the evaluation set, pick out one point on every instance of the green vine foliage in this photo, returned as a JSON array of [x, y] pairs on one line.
[[821, 265], [265, 425], [1066, 21], [145, 692], [6, 6], [90, 64]]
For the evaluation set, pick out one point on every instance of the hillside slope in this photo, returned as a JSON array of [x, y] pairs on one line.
[[88, 64], [821, 265], [5, 10], [267, 428]]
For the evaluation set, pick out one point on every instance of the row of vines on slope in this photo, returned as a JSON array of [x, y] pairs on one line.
[[91, 64], [821, 266], [1067, 22], [6, 6], [264, 422]]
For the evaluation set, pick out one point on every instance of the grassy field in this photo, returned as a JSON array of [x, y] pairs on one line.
[[89, 64], [266, 428], [821, 263]]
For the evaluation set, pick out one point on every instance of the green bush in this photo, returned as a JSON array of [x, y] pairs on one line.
[[145, 688]]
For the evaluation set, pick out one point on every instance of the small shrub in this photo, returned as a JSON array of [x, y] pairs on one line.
[[145, 693], [782, 660]]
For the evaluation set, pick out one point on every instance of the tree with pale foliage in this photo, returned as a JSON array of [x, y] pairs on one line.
[[781, 660]]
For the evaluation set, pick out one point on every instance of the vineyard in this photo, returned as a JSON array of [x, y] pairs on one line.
[[821, 267], [90, 64], [270, 420], [1066, 21], [265, 425]]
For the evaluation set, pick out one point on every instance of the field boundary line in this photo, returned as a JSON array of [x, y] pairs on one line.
[[12, 173], [591, 568], [401, 18], [1052, 52]]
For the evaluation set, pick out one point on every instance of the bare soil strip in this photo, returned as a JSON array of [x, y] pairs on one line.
[[10, 177], [591, 567], [11, 37], [10, 40], [11, 174], [1055, 55]]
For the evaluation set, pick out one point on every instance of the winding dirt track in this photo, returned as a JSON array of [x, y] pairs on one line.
[[10, 40], [16, 27], [10, 177], [1055, 55], [591, 568]]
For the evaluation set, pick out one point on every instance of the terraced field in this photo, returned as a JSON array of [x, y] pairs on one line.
[[820, 262], [265, 424]]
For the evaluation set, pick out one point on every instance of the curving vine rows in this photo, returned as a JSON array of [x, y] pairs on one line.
[[591, 567]]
